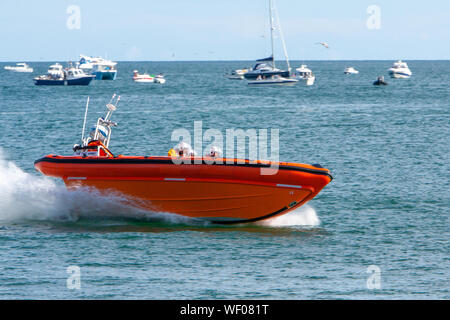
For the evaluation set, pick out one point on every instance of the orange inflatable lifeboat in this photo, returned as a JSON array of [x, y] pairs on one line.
[[214, 188]]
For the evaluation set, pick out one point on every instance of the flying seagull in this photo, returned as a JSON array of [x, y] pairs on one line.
[[324, 44]]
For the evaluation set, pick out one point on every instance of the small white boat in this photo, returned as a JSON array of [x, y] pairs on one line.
[[273, 80], [145, 77], [19, 67], [159, 78], [238, 74], [304, 75], [350, 70], [400, 70]]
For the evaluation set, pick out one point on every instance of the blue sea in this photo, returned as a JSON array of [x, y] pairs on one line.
[[379, 230]]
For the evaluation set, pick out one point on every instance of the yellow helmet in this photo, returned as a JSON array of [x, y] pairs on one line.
[[172, 153]]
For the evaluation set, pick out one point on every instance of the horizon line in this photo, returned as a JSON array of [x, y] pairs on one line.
[[281, 60]]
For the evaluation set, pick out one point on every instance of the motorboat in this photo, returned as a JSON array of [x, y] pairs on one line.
[[159, 78], [400, 70], [105, 70], [238, 74], [210, 187], [57, 76], [380, 82], [273, 80], [19, 67], [266, 67], [350, 70], [102, 69], [305, 75], [145, 77], [88, 63]]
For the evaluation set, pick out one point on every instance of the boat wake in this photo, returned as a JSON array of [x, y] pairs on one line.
[[25, 196], [304, 216]]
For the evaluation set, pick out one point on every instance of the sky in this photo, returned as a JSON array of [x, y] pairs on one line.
[[150, 30]]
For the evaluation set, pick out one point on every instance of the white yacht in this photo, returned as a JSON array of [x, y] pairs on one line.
[[305, 75], [88, 63], [350, 70], [400, 70], [19, 67], [102, 69]]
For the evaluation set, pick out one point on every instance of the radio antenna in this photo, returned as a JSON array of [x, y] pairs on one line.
[[85, 117]]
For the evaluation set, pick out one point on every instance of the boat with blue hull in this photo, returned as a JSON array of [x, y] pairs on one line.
[[105, 71], [57, 76], [101, 68]]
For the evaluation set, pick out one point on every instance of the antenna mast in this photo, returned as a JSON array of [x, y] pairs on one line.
[[282, 39], [84, 123], [271, 31]]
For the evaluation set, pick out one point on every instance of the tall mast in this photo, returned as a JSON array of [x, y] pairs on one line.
[[282, 40], [271, 31]]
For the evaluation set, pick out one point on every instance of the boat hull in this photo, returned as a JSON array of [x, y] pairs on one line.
[[83, 81], [235, 77], [20, 70], [144, 80], [400, 75], [254, 75], [306, 81], [106, 75], [273, 82], [221, 193], [48, 82]]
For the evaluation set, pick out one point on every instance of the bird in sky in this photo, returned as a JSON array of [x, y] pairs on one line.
[[326, 45]]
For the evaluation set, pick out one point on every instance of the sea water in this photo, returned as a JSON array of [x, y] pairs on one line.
[[379, 230]]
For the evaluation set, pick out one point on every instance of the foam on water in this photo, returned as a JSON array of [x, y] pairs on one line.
[[24, 196], [303, 216]]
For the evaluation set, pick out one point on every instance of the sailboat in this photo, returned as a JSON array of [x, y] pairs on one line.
[[265, 68]]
